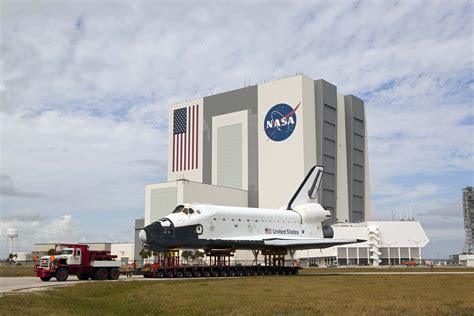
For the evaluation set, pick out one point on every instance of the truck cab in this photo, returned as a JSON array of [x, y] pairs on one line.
[[69, 256]]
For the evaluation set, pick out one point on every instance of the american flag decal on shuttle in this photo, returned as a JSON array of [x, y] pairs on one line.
[[185, 138], [268, 230]]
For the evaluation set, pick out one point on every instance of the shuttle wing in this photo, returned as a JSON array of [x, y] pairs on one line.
[[310, 243], [294, 243]]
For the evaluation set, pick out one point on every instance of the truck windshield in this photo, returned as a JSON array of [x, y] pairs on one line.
[[66, 252]]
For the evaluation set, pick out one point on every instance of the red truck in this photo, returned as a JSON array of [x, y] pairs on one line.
[[78, 260]]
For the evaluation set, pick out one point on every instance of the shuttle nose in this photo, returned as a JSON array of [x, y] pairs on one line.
[[142, 235]]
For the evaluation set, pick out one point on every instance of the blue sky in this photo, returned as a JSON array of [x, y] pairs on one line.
[[85, 89]]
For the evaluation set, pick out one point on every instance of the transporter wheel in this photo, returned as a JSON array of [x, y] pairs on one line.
[[179, 274], [231, 273], [114, 274], [197, 274], [214, 273], [83, 276], [159, 274], [246, 272], [261, 272], [296, 271], [189, 274], [223, 273], [170, 274], [238, 273], [206, 274], [46, 279], [62, 274], [101, 274], [254, 272]]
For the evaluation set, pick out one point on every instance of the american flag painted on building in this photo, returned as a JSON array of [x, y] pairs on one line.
[[185, 138]]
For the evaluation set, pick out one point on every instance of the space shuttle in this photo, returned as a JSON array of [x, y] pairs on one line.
[[297, 226]]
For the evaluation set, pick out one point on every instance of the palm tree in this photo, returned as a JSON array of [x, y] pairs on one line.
[[185, 254]]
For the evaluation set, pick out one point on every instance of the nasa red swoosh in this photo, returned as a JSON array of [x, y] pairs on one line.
[[286, 116]]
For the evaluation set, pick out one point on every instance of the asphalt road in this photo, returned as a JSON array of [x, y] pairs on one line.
[[31, 283]]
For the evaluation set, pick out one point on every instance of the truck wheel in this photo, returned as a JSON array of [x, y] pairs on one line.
[[46, 279], [179, 274], [189, 274], [205, 274], [231, 273], [61, 274], [170, 274], [83, 277], [114, 274], [159, 274], [101, 274], [223, 273], [197, 274], [214, 273]]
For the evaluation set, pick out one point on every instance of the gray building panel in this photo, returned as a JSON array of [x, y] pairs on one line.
[[329, 164], [137, 243], [329, 114], [355, 141], [225, 103], [326, 146]]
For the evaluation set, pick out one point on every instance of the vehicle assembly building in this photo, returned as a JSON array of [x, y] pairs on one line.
[[252, 146]]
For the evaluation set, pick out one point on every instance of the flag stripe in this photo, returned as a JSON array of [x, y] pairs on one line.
[[189, 138], [173, 154], [185, 138], [197, 135]]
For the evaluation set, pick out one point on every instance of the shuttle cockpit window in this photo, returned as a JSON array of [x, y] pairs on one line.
[[191, 211], [178, 209], [185, 211]]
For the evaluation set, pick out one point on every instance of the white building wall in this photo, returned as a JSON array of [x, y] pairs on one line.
[[211, 194], [281, 166], [342, 200], [161, 199], [309, 126], [123, 251]]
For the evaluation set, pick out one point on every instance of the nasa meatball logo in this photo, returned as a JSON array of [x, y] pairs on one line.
[[280, 121]]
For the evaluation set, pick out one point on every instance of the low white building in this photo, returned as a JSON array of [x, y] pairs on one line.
[[387, 243], [123, 251], [466, 260]]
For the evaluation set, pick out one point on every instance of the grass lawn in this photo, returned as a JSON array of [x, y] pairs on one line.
[[267, 295], [16, 271], [389, 269]]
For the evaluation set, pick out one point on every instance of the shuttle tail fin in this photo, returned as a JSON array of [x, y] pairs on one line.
[[308, 189]]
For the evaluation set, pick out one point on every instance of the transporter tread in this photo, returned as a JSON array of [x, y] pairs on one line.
[[213, 271]]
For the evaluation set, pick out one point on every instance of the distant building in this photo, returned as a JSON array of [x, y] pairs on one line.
[[468, 210], [388, 243]]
